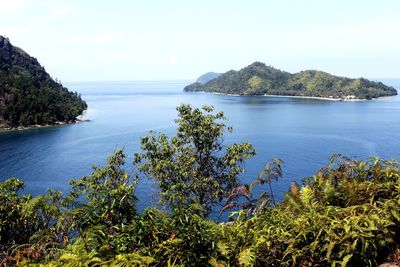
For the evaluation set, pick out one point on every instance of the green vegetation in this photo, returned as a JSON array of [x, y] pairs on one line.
[[259, 79], [347, 214], [28, 95], [193, 167]]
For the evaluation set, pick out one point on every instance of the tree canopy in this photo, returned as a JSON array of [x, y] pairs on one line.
[[194, 167], [28, 95]]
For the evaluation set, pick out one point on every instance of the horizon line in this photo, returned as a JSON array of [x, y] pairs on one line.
[[183, 79], [129, 80]]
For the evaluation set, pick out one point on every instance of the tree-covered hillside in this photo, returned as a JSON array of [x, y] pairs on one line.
[[28, 95], [259, 79]]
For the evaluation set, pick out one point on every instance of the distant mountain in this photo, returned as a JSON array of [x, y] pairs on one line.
[[205, 78], [259, 79], [28, 95]]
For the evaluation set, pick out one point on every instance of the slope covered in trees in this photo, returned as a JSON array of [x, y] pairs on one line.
[[259, 79], [347, 214], [28, 95]]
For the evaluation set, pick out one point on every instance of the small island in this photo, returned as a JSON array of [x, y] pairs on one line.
[[260, 79], [29, 97]]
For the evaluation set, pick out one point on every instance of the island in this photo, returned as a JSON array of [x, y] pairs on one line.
[[29, 96], [260, 79]]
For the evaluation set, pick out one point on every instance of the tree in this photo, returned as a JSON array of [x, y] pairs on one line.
[[109, 192], [193, 167], [272, 172]]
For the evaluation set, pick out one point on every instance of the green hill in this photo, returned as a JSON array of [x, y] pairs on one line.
[[259, 79], [28, 95]]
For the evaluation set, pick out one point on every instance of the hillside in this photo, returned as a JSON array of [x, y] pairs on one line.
[[259, 79], [28, 95]]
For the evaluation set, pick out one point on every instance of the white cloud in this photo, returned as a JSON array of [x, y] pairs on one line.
[[12, 32], [9, 6], [102, 38], [370, 39], [172, 60], [49, 9], [374, 27], [167, 60], [60, 9]]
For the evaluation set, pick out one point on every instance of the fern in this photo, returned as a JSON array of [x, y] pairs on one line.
[[246, 258], [346, 260]]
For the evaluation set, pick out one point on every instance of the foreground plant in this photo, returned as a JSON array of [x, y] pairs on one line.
[[347, 214], [193, 167]]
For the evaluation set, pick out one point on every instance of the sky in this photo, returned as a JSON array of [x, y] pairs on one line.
[[98, 40]]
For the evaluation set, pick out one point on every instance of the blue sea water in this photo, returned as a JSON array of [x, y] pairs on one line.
[[302, 132]]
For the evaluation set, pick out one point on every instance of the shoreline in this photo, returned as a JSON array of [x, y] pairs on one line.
[[38, 126], [300, 97], [318, 98]]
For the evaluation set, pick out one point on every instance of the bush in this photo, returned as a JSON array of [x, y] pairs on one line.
[[347, 214]]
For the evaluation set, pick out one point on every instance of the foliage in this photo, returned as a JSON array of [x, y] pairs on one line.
[[259, 79], [28, 225], [347, 214], [241, 197], [272, 172], [28, 95], [109, 192], [182, 238], [193, 167]]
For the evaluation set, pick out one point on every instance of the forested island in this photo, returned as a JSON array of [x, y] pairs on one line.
[[29, 96], [347, 214], [260, 79]]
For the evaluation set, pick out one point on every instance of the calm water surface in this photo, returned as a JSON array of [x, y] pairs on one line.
[[302, 132]]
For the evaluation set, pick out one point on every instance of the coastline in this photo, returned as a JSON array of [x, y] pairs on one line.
[[81, 118], [38, 126], [301, 97], [319, 98]]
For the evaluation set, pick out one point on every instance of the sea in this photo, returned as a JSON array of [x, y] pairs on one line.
[[304, 133]]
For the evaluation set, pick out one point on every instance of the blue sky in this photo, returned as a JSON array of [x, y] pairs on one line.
[[182, 39]]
